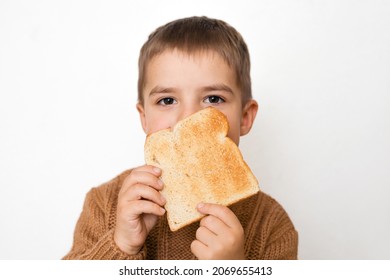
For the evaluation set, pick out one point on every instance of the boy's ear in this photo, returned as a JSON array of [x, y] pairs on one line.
[[248, 116], [141, 111]]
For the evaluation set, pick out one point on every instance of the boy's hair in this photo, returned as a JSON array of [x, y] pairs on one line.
[[196, 34]]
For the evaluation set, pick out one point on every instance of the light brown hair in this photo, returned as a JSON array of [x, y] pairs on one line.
[[195, 34]]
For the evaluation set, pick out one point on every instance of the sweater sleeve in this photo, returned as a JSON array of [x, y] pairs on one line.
[[283, 240], [284, 248], [92, 237]]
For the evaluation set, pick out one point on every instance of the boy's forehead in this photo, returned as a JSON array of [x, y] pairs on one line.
[[204, 65], [195, 55]]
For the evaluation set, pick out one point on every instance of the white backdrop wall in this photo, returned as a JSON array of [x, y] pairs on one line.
[[320, 144]]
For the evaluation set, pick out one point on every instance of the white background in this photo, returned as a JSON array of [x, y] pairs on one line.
[[320, 144]]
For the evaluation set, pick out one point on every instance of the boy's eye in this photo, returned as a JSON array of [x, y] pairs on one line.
[[214, 99], [166, 101]]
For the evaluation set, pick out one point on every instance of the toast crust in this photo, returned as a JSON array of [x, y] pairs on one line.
[[199, 163]]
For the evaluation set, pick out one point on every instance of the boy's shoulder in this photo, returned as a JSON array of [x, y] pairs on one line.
[[261, 200], [263, 211]]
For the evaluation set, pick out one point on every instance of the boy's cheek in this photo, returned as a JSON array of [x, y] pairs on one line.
[[156, 124]]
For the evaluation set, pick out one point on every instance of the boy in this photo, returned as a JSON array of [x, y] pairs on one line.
[[185, 65]]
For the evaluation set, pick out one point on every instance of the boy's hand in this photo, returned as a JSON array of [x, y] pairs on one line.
[[220, 235], [139, 205]]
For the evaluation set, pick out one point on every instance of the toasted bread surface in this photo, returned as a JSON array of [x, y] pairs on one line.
[[199, 164]]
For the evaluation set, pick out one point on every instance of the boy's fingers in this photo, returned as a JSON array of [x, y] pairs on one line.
[[213, 223], [140, 191], [205, 235], [198, 249], [144, 178], [144, 169], [144, 207], [221, 212], [149, 168]]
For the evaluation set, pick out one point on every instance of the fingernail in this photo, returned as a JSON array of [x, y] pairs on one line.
[[160, 182], [157, 170], [162, 210], [200, 205], [163, 199]]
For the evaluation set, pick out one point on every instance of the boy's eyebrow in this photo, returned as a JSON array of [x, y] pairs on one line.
[[160, 89], [215, 87], [218, 87]]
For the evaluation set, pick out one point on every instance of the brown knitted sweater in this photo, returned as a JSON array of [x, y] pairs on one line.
[[269, 233]]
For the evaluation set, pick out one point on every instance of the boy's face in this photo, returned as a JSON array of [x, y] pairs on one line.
[[178, 85]]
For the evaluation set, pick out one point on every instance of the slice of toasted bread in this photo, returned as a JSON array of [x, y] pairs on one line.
[[199, 164]]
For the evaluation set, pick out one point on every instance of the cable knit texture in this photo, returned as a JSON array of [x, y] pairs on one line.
[[269, 233]]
